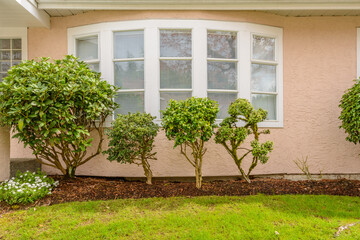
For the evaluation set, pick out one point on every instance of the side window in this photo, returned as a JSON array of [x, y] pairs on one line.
[[222, 72], [128, 60], [263, 75], [87, 49], [175, 65], [10, 55]]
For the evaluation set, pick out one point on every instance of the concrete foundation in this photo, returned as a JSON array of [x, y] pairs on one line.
[[4, 153], [23, 165]]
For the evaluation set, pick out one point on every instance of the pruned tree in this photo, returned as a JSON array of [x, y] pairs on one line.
[[191, 124], [132, 141], [53, 106], [232, 134]]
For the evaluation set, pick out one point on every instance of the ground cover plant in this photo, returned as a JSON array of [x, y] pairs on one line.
[[190, 123], [250, 217], [232, 135], [53, 106], [26, 188], [131, 140]]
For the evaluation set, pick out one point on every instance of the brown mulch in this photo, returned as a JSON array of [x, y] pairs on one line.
[[93, 188]]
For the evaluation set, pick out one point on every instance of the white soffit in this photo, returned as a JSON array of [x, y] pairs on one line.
[[22, 13], [200, 4], [297, 8]]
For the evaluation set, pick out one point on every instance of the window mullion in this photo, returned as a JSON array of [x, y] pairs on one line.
[[106, 65], [244, 64], [199, 64], [152, 71]]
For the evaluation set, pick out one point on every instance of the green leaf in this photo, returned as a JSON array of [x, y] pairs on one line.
[[20, 124]]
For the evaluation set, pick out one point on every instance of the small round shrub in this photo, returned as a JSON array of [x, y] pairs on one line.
[[132, 140], [26, 188], [350, 112]]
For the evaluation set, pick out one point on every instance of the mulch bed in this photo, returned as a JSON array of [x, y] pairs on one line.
[[93, 188]]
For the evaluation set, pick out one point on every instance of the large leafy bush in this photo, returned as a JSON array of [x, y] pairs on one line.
[[26, 187], [132, 140], [54, 106], [190, 124], [350, 112], [232, 135]]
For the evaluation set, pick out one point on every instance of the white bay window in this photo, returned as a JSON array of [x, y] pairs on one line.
[[153, 61]]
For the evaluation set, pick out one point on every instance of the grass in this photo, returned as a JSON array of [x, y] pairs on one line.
[[250, 217]]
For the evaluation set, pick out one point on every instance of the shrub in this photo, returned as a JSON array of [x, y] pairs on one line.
[[350, 112], [26, 188], [132, 140], [190, 124], [232, 136], [54, 106]]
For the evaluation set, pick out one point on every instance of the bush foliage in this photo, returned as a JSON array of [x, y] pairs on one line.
[[190, 124], [26, 188], [54, 106], [132, 140], [350, 112], [231, 135]]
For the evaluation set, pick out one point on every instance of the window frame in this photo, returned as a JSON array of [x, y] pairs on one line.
[[16, 33], [199, 29], [134, 90]]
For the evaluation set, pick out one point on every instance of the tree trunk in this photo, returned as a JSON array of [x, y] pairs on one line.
[[243, 174], [198, 176], [70, 172], [147, 171]]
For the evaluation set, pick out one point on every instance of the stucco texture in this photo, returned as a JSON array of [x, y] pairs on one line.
[[319, 65]]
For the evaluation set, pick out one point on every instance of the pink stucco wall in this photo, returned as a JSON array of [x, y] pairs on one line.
[[319, 64]]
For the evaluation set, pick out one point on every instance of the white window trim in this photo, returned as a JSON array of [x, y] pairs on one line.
[[199, 58], [358, 53], [17, 33]]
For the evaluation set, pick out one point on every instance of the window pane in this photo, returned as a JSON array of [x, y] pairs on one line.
[[2, 76], [224, 100], [14, 63], [175, 74], [4, 43], [87, 48], [129, 75], [221, 44], [129, 102], [94, 66], [16, 54], [175, 43], [4, 55], [263, 78], [263, 48], [16, 43], [4, 66], [266, 102], [222, 75], [166, 96], [129, 44]]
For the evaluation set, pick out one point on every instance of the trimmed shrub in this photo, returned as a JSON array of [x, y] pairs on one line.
[[132, 140], [54, 106], [26, 188], [350, 112], [231, 135], [190, 124]]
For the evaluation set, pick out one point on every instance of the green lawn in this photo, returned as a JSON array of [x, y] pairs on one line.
[[250, 217]]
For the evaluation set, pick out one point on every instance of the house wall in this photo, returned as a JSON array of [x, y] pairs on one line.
[[319, 65]]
